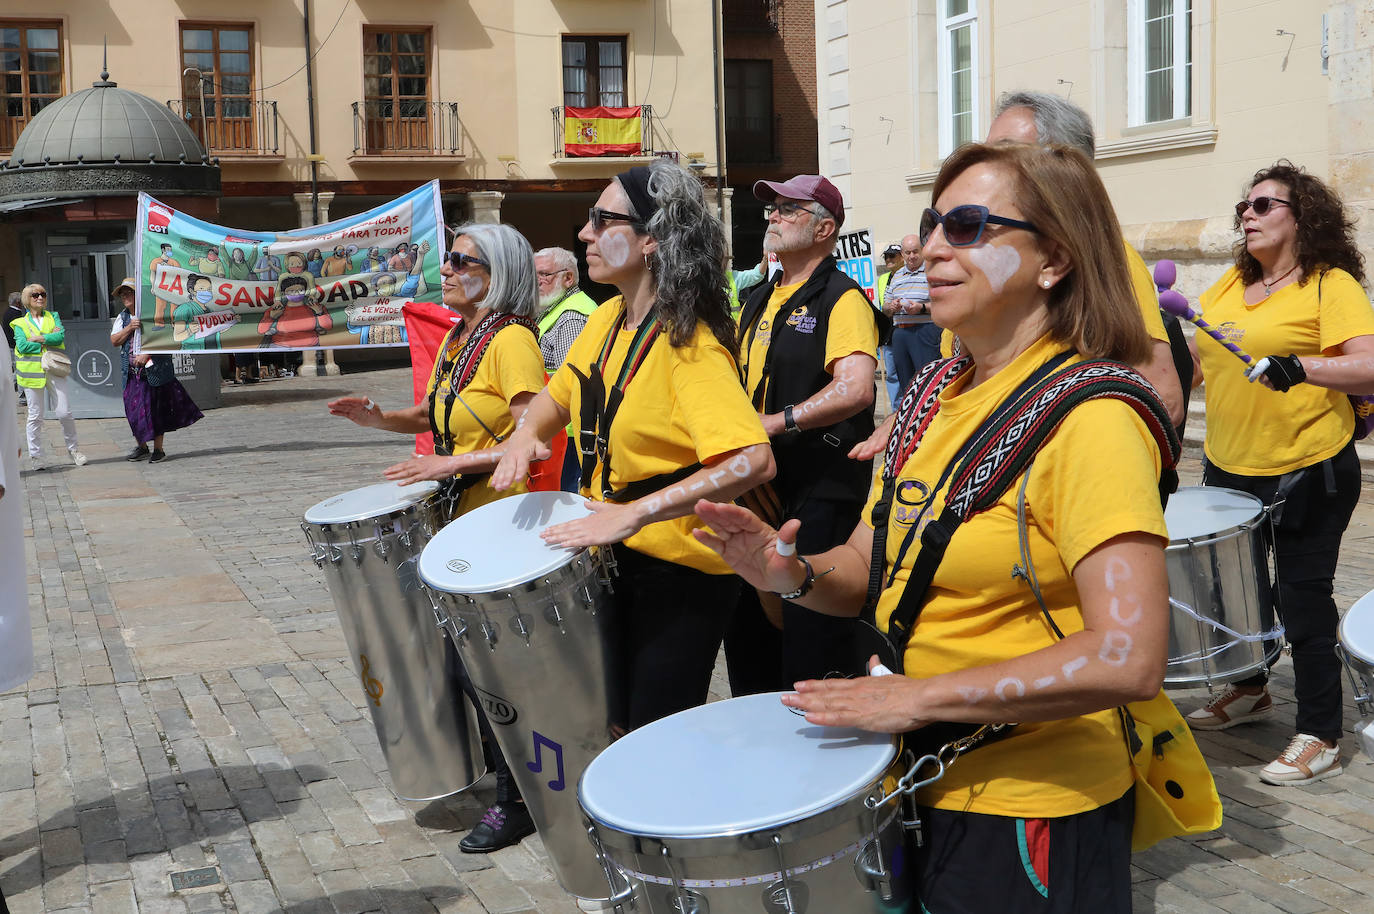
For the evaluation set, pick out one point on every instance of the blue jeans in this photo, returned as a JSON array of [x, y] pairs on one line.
[[913, 348], [894, 390]]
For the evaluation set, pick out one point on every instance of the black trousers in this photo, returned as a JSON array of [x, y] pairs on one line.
[[1306, 544], [811, 645], [666, 628], [506, 789]]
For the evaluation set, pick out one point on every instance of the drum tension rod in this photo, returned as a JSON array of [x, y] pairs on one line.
[[787, 897]]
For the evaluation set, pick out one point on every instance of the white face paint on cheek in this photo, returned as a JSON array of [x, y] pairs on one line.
[[471, 285], [999, 263], [615, 250]]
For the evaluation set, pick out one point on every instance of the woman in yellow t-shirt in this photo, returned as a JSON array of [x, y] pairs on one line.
[[652, 384], [486, 372], [1025, 264], [1294, 301]]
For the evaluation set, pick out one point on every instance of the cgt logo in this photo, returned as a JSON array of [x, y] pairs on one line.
[[499, 710], [159, 218], [912, 498]]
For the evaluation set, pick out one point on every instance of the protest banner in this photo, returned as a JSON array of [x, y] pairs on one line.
[[854, 255], [340, 285]]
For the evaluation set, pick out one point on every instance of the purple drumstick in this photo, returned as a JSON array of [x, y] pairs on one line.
[[1177, 305]]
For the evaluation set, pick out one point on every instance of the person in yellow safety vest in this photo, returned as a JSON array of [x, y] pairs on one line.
[[892, 261], [563, 312], [39, 330], [741, 281]]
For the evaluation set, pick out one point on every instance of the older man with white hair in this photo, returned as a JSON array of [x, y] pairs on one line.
[[563, 312]]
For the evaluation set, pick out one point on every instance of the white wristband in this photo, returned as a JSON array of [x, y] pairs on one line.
[[369, 405], [784, 549]]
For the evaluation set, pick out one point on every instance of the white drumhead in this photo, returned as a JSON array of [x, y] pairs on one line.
[[1196, 511], [1357, 628], [369, 501], [497, 546], [739, 765]]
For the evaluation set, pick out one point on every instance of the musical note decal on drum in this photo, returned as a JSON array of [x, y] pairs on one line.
[[372, 686], [540, 740]]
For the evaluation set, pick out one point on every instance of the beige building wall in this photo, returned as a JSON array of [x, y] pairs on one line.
[[1257, 96], [500, 60]]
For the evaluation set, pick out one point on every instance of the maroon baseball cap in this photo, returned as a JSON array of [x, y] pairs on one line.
[[804, 187]]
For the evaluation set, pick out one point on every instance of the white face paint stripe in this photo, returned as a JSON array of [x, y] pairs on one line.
[[1073, 666]]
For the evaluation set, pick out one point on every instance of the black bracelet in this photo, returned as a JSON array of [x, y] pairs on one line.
[[789, 422], [807, 582]]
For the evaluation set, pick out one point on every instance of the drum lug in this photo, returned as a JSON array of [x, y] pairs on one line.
[[521, 626], [873, 876], [787, 895], [379, 543], [588, 599], [622, 889], [680, 899], [440, 617], [318, 552], [407, 542], [491, 633], [555, 617]]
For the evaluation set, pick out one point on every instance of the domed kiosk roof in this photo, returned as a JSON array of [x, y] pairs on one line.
[[107, 141]]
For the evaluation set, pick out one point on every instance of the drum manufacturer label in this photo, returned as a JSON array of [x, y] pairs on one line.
[[457, 566], [499, 710]]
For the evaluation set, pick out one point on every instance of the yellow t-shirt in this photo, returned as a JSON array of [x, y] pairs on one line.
[[512, 365], [1146, 298], [1255, 431], [684, 406], [1095, 479], [852, 328]]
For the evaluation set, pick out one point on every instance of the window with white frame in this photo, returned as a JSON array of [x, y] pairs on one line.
[[958, 61], [1160, 57]]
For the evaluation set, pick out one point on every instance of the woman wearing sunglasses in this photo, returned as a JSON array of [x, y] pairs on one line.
[[1025, 263], [38, 331], [652, 385], [1282, 430]]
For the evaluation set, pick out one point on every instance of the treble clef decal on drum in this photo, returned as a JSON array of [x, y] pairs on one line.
[[371, 685], [540, 740]]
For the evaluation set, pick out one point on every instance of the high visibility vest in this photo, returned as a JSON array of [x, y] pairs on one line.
[[577, 300], [28, 368], [881, 288], [735, 304]]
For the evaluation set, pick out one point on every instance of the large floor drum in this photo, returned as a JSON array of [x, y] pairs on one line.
[[742, 807], [1222, 625], [368, 542], [1356, 649], [529, 621]]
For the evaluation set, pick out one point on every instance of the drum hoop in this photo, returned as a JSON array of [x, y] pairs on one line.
[[429, 505], [1219, 536], [760, 878], [849, 808], [582, 561]]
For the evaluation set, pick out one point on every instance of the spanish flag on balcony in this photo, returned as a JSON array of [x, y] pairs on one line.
[[602, 131]]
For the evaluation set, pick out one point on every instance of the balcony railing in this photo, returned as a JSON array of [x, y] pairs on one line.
[[237, 128], [407, 128], [646, 135], [753, 140], [751, 15]]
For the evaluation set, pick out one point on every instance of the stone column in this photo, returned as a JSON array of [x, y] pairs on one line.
[[486, 206], [727, 216], [1350, 112], [309, 368]]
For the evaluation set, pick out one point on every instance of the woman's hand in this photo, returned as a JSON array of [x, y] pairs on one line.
[[422, 468], [608, 523], [749, 546], [520, 452], [1277, 372], [876, 442], [142, 359], [359, 410], [881, 704]]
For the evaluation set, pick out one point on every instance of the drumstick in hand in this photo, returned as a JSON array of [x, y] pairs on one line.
[[1177, 305]]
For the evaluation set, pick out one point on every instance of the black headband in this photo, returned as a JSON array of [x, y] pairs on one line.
[[636, 185]]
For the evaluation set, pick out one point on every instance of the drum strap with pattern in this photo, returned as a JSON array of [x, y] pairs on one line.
[[454, 372], [599, 409], [991, 460]]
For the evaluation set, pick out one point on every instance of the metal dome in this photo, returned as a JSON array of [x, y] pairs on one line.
[[106, 141]]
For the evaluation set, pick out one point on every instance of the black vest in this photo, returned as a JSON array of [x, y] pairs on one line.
[[812, 464]]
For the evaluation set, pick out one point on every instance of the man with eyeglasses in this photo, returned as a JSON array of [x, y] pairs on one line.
[[808, 349], [563, 312]]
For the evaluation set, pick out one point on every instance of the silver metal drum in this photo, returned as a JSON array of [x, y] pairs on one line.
[[1222, 627], [1356, 650], [530, 623], [368, 542], [742, 807]]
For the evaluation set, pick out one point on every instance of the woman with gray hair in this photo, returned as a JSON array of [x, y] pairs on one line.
[[486, 371], [662, 419]]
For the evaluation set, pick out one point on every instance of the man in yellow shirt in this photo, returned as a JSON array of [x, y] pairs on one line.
[[808, 350]]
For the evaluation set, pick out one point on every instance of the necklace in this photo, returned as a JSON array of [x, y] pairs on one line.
[[1269, 286]]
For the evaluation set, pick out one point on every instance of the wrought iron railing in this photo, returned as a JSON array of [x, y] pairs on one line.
[[646, 134], [387, 128], [234, 126], [751, 15]]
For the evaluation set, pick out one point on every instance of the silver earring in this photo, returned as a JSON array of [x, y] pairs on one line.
[[1045, 283]]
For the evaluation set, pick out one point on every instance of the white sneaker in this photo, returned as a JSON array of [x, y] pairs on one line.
[[1306, 759], [79, 458]]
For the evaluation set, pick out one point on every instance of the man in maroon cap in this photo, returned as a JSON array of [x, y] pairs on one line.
[[808, 350]]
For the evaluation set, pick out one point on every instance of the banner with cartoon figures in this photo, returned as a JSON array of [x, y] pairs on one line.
[[206, 287]]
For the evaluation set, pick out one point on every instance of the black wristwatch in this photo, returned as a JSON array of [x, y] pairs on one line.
[[789, 422]]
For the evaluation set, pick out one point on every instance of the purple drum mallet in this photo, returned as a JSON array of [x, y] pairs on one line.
[[1174, 302]]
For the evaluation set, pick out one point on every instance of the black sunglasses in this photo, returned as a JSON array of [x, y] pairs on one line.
[[964, 224], [457, 261], [598, 217], [1261, 205], [38, 295]]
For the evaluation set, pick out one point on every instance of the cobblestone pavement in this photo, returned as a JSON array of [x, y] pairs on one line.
[[195, 707]]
